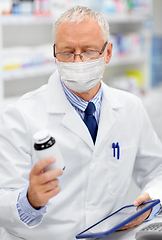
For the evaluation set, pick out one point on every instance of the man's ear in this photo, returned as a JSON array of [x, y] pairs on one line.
[[109, 52]]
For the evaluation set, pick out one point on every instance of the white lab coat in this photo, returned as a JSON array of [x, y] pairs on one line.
[[94, 182]]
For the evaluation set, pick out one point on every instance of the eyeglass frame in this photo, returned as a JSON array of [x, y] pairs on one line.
[[79, 54]]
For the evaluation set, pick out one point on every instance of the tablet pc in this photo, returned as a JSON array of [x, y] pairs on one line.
[[116, 220]]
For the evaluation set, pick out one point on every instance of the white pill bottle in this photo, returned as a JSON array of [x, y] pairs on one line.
[[45, 146]]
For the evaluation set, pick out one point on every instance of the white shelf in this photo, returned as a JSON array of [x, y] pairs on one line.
[[127, 60], [125, 18], [38, 20], [34, 71], [48, 69], [26, 20]]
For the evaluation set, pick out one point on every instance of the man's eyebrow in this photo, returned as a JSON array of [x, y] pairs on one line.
[[63, 48], [66, 47], [90, 46]]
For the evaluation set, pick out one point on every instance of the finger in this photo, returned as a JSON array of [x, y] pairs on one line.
[[42, 164], [53, 192], [142, 198], [134, 222], [131, 224], [49, 186], [41, 196], [49, 176]]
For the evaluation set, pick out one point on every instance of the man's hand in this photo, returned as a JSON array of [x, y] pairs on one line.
[[142, 198], [43, 185]]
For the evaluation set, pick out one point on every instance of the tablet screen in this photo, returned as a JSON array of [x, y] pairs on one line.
[[110, 222]]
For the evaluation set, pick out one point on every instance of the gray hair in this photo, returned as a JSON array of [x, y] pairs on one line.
[[78, 14]]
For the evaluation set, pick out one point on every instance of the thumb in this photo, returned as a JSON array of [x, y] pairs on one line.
[[142, 198]]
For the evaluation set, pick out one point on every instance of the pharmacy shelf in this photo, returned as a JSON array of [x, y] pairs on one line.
[[127, 60], [48, 69], [126, 18], [26, 20], [38, 20], [31, 72]]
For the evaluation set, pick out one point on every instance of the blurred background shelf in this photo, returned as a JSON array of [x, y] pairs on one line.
[[48, 69], [35, 71], [25, 32], [127, 60], [31, 19], [127, 18], [18, 20]]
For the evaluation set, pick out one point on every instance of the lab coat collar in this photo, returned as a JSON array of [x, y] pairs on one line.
[[110, 97], [108, 115], [56, 95], [58, 104], [72, 120]]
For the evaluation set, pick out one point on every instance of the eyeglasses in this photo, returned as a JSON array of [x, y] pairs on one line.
[[85, 56]]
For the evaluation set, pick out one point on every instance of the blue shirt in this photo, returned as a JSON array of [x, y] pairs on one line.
[[80, 105]]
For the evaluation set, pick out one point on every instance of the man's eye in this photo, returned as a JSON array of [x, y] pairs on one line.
[[68, 54], [90, 53]]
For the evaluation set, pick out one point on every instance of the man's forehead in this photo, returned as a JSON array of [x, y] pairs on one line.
[[72, 45], [87, 20], [87, 29], [86, 25]]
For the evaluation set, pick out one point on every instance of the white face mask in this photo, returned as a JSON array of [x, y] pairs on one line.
[[81, 76]]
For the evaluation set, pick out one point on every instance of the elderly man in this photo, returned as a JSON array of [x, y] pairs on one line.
[[104, 136]]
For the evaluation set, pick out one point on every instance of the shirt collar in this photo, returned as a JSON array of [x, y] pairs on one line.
[[78, 102]]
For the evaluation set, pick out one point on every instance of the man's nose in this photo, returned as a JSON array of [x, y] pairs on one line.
[[77, 57]]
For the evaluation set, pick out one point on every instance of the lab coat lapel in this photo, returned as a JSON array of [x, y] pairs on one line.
[[74, 123], [71, 118], [108, 114]]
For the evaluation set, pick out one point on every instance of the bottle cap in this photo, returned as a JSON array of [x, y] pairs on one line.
[[41, 136]]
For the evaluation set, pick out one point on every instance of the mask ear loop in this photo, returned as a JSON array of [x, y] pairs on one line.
[[105, 53], [104, 63]]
